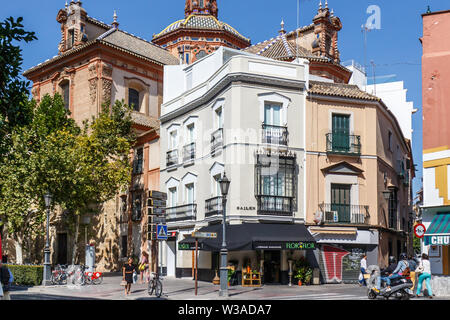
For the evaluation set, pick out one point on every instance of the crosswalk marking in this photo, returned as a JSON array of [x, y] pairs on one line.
[[320, 296]]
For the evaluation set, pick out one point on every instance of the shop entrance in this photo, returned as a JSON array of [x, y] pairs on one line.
[[272, 266]]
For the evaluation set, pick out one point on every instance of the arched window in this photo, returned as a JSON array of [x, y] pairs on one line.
[[133, 99]]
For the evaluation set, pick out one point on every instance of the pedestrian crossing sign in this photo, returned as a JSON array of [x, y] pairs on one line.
[[161, 232]]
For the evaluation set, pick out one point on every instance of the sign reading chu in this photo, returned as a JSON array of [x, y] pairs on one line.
[[439, 240], [300, 245]]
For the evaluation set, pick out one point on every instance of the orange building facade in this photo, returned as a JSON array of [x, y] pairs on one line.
[[98, 64]]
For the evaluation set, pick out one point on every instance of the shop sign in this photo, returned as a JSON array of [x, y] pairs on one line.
[[438, 240], [188, 246], [243, 208], [300, 245]]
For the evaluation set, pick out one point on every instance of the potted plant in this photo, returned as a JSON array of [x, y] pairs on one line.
[[231, 271], [300, 275], [308, 275]]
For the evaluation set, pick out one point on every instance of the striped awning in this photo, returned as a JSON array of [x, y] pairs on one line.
[[438, 233]]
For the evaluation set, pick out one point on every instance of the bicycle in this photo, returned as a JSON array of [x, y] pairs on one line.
[[155, 285], [59, 275]]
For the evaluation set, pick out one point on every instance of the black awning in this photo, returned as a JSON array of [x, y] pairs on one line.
[[254, 236]]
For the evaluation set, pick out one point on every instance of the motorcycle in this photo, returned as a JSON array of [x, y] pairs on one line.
[[400, 287]]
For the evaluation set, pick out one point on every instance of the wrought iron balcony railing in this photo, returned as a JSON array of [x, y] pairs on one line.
[[172, 158], [213, 206], [216, 140], [275, 135], [343, 143], [275, 205], [182, 213], [189, 152], [344, 213]]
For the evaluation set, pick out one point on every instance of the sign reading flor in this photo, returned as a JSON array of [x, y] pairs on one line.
[[300, 245]]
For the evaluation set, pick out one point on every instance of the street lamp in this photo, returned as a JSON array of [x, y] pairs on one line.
[[224, 186], [386, 195], [47, 269]]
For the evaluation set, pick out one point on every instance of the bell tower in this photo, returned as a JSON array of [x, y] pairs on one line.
[[73, 26], [206, 7], [326, 28]]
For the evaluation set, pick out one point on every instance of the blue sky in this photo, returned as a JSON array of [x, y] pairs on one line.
[[395, 48]]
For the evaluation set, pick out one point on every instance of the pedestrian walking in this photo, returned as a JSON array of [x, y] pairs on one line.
[[363, 266], [412, 266], [144, 267], [5, 279], [128, 271], [424, 269]]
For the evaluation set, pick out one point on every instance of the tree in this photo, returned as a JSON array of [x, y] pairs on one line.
[[81, 168], [14, 106]]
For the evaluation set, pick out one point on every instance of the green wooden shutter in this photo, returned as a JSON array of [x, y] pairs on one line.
[[341, 133]]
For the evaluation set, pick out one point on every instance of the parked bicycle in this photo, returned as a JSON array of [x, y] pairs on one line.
[[155, 285], [59, 275]]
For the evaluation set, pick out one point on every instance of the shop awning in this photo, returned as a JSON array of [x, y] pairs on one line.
[[438, 233], [254, 236]]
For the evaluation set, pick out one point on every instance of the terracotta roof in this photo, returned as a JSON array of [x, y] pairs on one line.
[[123, 41], [205, 22], [144, 120], [340, 90]]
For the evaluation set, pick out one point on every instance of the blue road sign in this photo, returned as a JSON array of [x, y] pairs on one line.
[[161, 232]]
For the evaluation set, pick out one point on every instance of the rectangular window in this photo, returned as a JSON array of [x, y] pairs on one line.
[[217, 192], [173, 140], [191, 132], [219, 118], [341, 201], [124, 246], [66, 94], [173, 197], [139, 161], [272, 115], [390, 140], [71, 38], [133, 99], [392, 209], [190, 193], [136, 206], [340, 132]]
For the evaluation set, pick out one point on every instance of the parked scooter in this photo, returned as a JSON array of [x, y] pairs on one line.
[[400, 287]]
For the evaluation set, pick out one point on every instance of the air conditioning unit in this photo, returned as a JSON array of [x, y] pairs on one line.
[[332, 216]]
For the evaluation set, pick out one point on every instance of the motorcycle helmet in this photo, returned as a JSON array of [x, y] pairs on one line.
[[403, 256], [391, 259]]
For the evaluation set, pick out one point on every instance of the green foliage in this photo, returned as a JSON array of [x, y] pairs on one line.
[[14, 107], [303, 272], [80, 167], [26, 274], [416, 245]]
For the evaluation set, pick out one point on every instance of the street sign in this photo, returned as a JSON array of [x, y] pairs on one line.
[[161, 232], [156, 203], [159, 220], [157, 195], [204, 235], [156, 211], [419, 230]]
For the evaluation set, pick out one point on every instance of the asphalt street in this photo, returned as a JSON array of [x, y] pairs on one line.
[[183, 289]]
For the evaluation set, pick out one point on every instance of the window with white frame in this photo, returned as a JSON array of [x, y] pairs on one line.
[[190, 193], [190, 133], [173, 139], [219, 118], [272, 114], [172, 197]]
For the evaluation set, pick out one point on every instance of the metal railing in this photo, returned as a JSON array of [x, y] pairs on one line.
[[344, 213], [172, 158], [216, 140], [213, 206], [343, 143], [189, 152], [275, 205], [181, 213], [275, 135]]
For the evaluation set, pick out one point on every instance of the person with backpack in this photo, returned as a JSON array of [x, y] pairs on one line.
[[6, 279], [402, 268]]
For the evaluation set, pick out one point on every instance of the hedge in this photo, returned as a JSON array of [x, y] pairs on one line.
[[27, 274]]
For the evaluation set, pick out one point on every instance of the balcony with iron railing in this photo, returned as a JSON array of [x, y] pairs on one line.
[[216, 140], [344, 213], [275, 205], [187, 212], [189, 152], [172, 158], [213, 206], [343, 143], [275, 135]]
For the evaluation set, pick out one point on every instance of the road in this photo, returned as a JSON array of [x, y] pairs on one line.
[[183, 289]]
